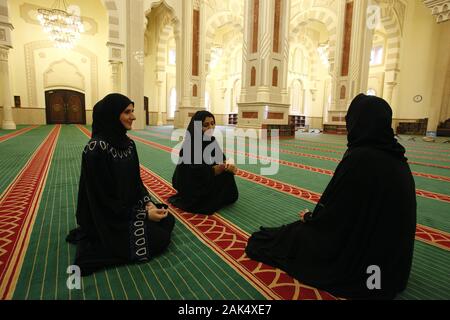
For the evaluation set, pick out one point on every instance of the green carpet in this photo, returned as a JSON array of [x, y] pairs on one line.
[[4, 132], [190, 269], [15, 153]]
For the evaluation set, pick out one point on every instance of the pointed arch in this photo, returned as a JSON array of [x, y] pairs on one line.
[[323, 15]]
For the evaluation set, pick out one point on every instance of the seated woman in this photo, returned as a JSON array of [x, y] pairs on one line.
[[203, 178], [365, 219], [118, 221]]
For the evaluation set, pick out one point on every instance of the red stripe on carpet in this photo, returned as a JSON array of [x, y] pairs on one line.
[[229, 242], [315, 197], [16, 133], [18, 209], [336, 160]]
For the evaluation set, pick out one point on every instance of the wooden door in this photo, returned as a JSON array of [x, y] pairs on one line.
[[75, 107], [56, 106], [65, 107]]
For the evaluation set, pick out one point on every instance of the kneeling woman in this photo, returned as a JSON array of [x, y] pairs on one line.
[[203, 178], [118, 221], [358, 242]]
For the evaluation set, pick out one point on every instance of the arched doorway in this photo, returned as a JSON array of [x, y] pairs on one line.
[[65, 107]]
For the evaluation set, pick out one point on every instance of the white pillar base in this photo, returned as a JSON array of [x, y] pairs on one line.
[[8, 125], [159, 122]]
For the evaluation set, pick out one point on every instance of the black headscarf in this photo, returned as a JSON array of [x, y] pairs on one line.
[[369, 123], [106, 120], [199, 189], [194, 134], [365, 217]]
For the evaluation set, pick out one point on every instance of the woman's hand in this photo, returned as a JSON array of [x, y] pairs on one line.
[[231, 168], [154, 214], [218, 169], [302, 214]]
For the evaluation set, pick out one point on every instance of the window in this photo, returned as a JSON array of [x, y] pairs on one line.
[[172, 57], [376, 56], [173, 102]]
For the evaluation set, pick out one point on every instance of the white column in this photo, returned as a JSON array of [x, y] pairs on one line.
[[8, 121], [160, 96], [389, 91], [5, 85], [189, 104], [179, 71], [135, 59], [116, 53], [336, 61], [264, 97], [361, 46], [116, 75], [356, 78]]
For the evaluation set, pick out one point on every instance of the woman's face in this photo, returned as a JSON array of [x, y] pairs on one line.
[[208, 126], [127, 117]]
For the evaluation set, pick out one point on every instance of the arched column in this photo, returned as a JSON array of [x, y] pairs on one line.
[[135, 59], [351, 73], [5, 85], [190, 66], [8, 121], [265, 100]]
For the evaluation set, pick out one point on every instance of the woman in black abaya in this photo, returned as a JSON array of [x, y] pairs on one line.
[[118, 221], [203, 178], [366, 217]]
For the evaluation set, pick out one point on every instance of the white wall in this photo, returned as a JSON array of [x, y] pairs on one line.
[[419, 56]]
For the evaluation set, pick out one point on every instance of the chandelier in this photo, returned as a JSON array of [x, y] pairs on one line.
[[63, 28]]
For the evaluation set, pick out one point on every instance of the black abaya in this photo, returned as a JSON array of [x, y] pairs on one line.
[[366, 217], [111, 214], [199, 190]]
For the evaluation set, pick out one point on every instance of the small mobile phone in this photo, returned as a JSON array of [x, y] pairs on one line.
[[161, 206]]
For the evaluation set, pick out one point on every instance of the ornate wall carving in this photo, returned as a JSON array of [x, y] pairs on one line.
[[72, 76], [30, 69]]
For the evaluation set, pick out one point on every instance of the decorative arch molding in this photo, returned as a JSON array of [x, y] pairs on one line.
[[216, 21], [169, 25], [297, 87], [74, 79], [393, 36], [309, 47], [30, 68], [172, 18], [295, 80], [236, 92], [323, 15], [393, 15], [231, 54], [151, 4], [163, 41]]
